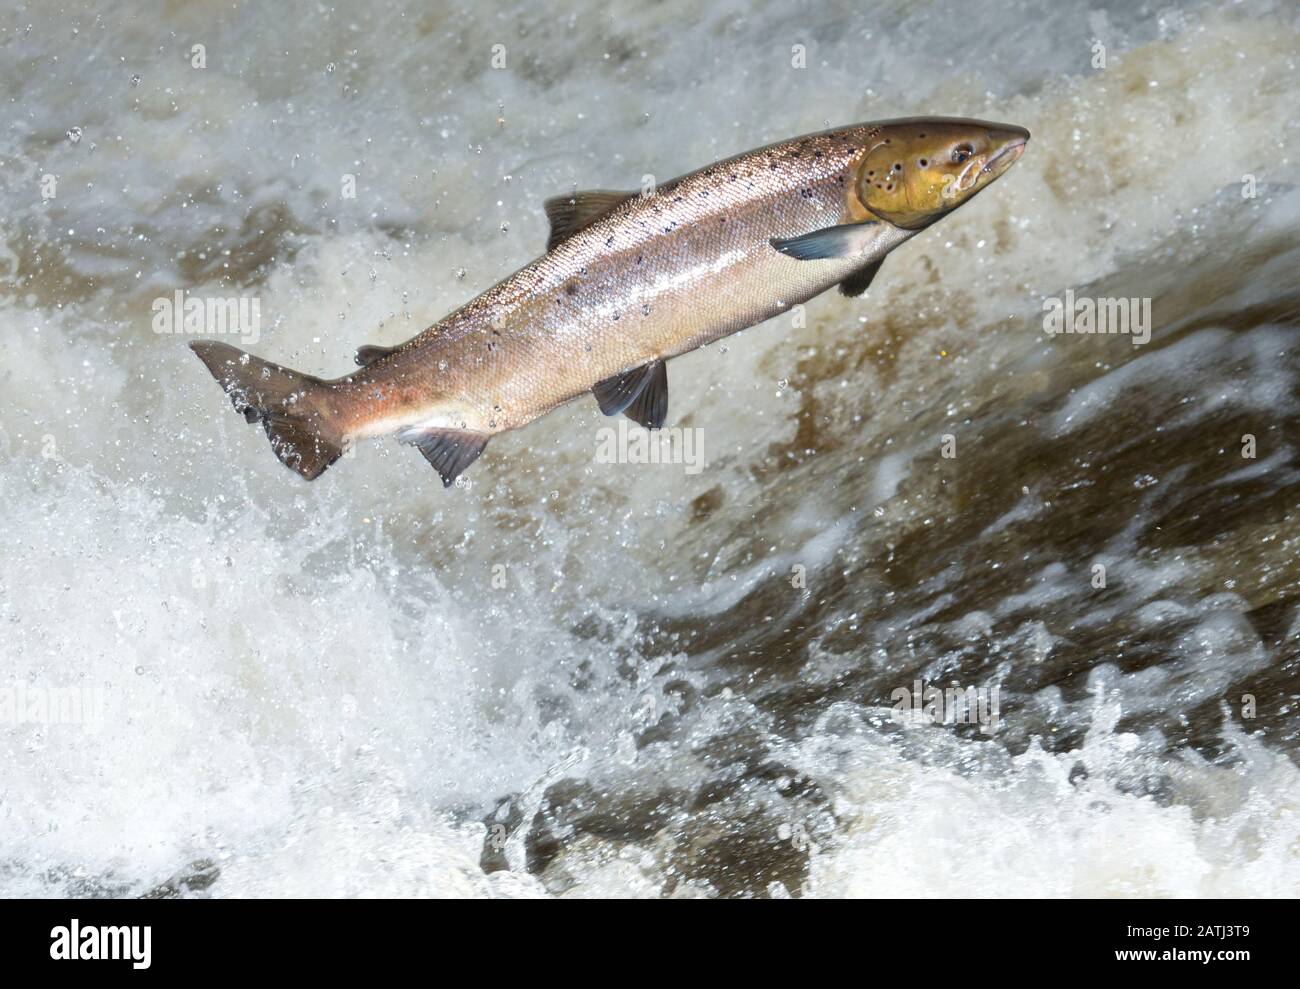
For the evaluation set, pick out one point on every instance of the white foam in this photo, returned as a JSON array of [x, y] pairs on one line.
[[923, 827]]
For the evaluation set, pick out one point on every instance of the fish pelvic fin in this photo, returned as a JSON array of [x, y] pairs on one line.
[[860, 280], [641, 394], [290, 406]]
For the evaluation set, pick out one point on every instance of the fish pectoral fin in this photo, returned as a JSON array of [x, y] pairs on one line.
[[845, 241], [650, 408], [372, 352], [860, 280], [621, 392], [569, 214], [449, 450]]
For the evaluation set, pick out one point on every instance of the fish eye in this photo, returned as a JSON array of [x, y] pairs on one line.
[[962, 152]]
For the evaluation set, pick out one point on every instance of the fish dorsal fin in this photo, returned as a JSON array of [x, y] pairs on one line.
[[845, 241], [372, 352], [860, 280], [620, 392], [450, 451], [569, 214]]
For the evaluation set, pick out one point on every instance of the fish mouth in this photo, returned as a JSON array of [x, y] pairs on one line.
[[1006, 156], [983, 169]]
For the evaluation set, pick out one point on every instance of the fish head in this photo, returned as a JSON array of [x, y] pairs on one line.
[[917, 170]]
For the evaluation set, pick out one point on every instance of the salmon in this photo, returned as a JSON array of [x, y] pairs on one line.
[[630, 280]]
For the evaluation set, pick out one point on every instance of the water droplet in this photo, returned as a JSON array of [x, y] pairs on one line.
[[74, 134], [135, 80]]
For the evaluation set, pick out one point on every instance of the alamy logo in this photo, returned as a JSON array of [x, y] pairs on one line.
[[637, 445], [77, 943], [208, 316], [1088, 315], [951, 706], [25, 704]]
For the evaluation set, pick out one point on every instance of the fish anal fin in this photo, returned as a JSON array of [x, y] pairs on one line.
[[372, 352], [860, 280], [569, 214], [650, 407], [450, 451], [848, 240]]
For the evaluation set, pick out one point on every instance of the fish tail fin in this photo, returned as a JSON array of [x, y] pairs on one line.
[[304, 433]]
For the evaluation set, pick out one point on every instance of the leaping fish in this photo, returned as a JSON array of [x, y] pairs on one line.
[[630, 280]]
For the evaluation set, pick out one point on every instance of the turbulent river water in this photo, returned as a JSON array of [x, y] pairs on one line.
[[577, 678]]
